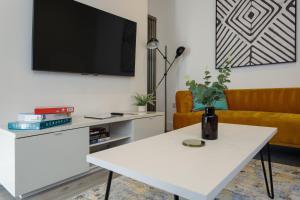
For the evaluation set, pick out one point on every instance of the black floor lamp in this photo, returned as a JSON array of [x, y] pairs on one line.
[[153, 45]]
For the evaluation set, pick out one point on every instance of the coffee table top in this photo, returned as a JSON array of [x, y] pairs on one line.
[[194, 173]]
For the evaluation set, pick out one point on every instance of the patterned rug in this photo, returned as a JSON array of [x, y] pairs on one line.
[[248, 185]]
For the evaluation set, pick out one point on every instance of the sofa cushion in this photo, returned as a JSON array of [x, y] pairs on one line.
[[288, 124], [181, 120]]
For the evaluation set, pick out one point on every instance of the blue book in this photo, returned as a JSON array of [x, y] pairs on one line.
[[37, 125]]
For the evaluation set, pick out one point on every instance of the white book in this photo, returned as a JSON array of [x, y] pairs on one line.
[[30, 117]]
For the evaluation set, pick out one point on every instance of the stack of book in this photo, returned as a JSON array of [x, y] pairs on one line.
[[42, 118], [98, 135]]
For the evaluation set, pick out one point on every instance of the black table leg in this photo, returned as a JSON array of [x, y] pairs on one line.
[[108, 185], [269, 185], [176, 197]]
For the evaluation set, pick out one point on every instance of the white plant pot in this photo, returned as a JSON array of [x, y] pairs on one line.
[[142, 109]]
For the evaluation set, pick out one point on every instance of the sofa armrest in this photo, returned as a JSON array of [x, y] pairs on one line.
[[184, 101]]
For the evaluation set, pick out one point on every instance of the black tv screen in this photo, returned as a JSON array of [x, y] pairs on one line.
[[72, 37]]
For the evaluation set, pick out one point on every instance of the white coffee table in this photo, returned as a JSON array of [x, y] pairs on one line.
[[193, 173]]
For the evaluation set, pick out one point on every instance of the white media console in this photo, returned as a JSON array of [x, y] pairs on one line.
[[33, 160]]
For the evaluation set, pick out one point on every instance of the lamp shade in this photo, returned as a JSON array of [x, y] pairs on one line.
[[152, 43], [179, 51]]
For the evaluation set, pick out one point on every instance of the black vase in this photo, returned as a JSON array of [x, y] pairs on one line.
[[209, 124]]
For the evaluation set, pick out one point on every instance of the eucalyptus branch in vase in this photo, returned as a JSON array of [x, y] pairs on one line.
[[209, 92]]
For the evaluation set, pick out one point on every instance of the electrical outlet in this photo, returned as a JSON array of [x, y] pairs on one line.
[[174, 105]]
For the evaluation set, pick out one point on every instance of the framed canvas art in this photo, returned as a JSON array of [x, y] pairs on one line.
[[255, 32]]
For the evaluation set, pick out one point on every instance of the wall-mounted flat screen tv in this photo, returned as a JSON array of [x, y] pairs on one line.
[[69, 36]]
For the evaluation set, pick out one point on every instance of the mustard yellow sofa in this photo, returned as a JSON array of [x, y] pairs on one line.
[[260, 107]]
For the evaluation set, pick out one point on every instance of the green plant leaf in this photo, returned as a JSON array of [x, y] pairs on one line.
[[143, 100], [208, 92]]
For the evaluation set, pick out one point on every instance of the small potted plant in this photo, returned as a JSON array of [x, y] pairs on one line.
[[141, 101], [208, 93]]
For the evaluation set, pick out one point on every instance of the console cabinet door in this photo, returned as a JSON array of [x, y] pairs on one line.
[[147, 127], [47, 159]]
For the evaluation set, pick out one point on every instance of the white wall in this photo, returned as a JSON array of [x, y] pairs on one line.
[[22, 89], [194, 27], [163, 10]]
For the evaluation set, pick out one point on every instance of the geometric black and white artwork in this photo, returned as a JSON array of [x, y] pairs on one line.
[[255, 32]]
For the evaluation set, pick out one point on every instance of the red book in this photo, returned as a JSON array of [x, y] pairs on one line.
[[54, 110]]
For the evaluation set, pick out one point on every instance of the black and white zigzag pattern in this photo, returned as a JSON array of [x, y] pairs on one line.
[[255, 32]]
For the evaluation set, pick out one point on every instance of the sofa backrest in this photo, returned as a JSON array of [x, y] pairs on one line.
[[285, 100], [184, 101]]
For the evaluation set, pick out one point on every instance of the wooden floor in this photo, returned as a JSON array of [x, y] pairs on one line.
[[65, 191]]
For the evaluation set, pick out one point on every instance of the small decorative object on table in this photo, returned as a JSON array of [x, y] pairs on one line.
[[141, 101], [208, 94], [193, 143]]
